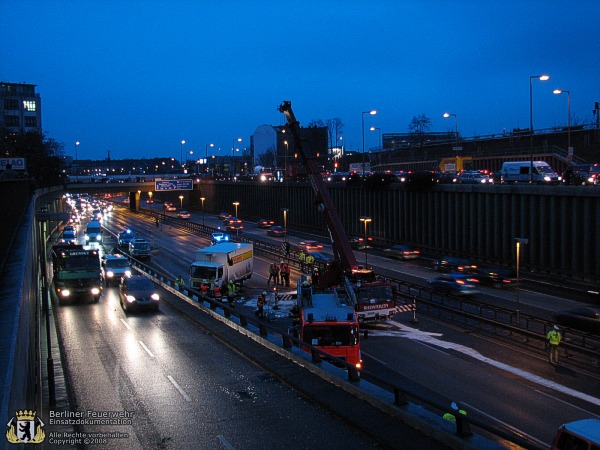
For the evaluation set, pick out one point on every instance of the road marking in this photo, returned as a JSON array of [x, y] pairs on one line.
[[147, 349], [126, 324], [433, 348], [418, 335], [541, 444], [225, 442], [566, 403], [179, 388]]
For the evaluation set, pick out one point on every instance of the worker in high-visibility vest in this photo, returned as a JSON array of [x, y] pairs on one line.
[[553, 338]]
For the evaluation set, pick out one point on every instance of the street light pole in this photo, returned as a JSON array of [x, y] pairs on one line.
[[379, 144], [372, 112], [541, 78], [569, 149], [206, 155], [181, 201], [181, 154], [76, 159], [519, 242], [232, 155], [446, 115], [202, 200], [366, 220]]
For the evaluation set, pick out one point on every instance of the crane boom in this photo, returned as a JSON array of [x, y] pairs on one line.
[[340, 243]]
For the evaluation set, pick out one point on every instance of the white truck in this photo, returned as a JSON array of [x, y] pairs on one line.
[[214, 266]]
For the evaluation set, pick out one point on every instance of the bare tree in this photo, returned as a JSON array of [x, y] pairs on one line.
[[335, 127], [419, 125]]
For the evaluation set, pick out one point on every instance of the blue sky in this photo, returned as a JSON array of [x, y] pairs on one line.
[[137, 77]]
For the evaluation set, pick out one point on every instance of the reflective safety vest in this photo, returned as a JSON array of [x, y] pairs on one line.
[[231, 289], [553, 337], [301, 256]]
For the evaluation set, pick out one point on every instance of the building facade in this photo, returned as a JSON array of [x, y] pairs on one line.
[[21, 107]]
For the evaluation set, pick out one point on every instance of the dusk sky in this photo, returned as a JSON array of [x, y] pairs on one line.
[[136, 77]]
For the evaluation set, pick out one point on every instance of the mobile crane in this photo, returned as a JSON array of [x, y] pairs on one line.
[[373, 299]]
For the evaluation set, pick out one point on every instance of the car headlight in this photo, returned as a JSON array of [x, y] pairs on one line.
[[95, 291], [130, 298], [110, 274], [98, 237], [546, 178], [65, 293], [128, 273], [154, 296], [87, 238]]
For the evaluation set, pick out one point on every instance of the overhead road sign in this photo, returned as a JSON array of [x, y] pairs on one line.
[[173, 185]]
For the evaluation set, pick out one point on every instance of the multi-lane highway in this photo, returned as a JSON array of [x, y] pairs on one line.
[[151, 363]]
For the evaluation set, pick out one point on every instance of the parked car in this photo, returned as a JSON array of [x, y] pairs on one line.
[[454, 283], [265, 223], [184, 214], [583, 318], [137, 292], [451, 264], [401, 251], [493, 276], [277, 231]]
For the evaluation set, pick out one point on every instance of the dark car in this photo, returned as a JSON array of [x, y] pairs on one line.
[[277, 231], [320, 258], [222, 216], [454, 283], [451, 264], [473, 178], [582, 175], [265, 223], [401, 251], [125, 238], [69, 236], [358, 242], [308, 246], [184, 214], [138, 292], [583, 318], [498, 278]]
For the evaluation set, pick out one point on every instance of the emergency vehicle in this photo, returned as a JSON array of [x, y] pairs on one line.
[[76, 272]]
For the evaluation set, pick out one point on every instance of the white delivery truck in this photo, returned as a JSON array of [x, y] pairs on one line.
[[214, 266], [521, 172]]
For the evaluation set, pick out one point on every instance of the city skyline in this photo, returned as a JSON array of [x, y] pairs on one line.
[[136, 78]]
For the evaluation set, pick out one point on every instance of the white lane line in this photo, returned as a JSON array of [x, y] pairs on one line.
[[147, 349], [179, 388], [224, 442], [383, 363], [433, 348], [540, 443], [126, 324], [432, 339], [566, 403]]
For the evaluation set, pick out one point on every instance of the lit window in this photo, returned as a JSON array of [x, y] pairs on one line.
[[29, 105]]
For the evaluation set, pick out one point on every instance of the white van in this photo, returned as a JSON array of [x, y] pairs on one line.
[[520, 172], [93, 232], [580, 434]]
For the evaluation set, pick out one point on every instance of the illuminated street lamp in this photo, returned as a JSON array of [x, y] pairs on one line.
[[232, 155], [446, 115], [181, 201], [560, 91], [366, 220], [378, 136], [150, 195], [518, 243], [285, 211], [236, 204], [202, 200], [76, 161], [181, 153], [372, 112], [541, 78], [206, 155]]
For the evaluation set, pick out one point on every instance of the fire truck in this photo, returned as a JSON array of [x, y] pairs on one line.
[[371, 297], [326, 320]]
